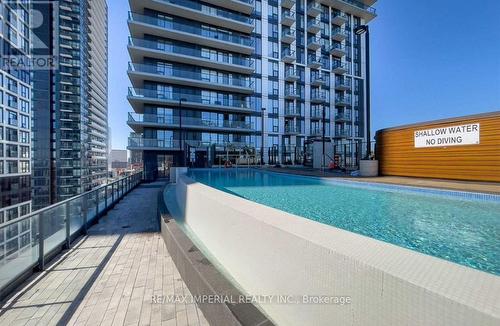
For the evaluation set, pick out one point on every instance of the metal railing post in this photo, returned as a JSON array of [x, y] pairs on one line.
[[105, 196], [113, 193], [84, 213], [97, 205], [41, 257], [68, 231]]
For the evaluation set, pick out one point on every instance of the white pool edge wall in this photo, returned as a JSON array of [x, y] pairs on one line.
[[271, 252]]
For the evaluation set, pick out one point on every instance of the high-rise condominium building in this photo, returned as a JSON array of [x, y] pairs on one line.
[[213, 76], [70, 104], [15, 127]]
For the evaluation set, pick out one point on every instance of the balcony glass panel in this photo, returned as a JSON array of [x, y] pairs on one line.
[[219, 12], [234, 59], [213, 33], [202, 99], [187, 74]]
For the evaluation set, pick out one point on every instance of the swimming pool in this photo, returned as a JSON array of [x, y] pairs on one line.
[[442, 224]]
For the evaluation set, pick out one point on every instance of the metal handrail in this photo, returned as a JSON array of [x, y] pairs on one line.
[[63, 223]]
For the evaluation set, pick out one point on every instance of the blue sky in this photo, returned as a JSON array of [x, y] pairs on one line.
[[430, 59]]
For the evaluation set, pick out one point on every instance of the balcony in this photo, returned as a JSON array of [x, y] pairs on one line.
[[318, 97], [139, 72], [292, 111], [244, 6], [339, 18], [339, 68], [288, 56], [338, 50], [313, 43], [287, 3], [139, 143], [291, 94], [354, 7], [342, 117], [316, 132], [139, 121], [342, 84], [287, 17], [230, 41], [197, 11], [291, 75], [314, 9], [341, 134], [313, 62], [138, 97], [141, 48], [288, 36], [318, 80], [339, 34], [313, 26], [342, 101], [316, 114], [292, 130]]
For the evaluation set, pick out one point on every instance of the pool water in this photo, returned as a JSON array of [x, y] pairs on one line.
[[463, 231]]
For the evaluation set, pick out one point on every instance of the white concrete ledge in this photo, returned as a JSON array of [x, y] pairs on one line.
[[271, 252]]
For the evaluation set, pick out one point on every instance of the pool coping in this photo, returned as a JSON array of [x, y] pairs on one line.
[[454, 283], [203, 279]]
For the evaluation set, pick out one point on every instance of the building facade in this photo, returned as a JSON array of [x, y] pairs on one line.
[[15, 127], [70, 104], [119, 159], [263, 77]]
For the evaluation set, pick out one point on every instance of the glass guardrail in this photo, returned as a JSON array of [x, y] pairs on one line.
[[188, 121], [187, 74], [201, 99], [216, 34], [32, 238], [232, 58], [219, 12]]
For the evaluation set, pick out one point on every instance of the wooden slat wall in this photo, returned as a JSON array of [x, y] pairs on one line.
[[398, 156]]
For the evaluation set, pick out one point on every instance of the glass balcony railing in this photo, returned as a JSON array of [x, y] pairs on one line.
[[292, 111], [339, 15], [342, 133], [139, 142], [318, 96], [227, 101], [315, 60], [291, 73], [317, 114], [217, 12], [188, 121], [343, 117], [215, 34], [318, 78], [287, 53], [292, 129], [233, 59], [342, 100], [34, 237], [343, 83], [212, 78], [361, 5], [337, 47], [339, 31], [317, 131], [340, 66], [315, 23], [314, 40], [291, 92], [287, 14]]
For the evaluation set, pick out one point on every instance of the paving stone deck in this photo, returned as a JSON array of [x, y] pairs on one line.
[[109, 276]]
